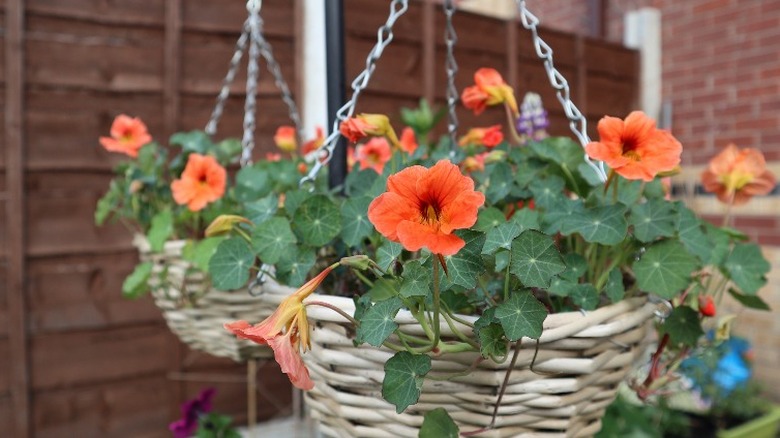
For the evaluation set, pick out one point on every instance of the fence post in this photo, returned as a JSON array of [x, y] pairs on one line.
[[337, 92]]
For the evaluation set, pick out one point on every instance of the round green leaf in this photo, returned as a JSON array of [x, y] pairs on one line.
[[317, 221], [522, 316], [534, 259], [665, 269], [354, 220], [272, 238], [230, 264], [404, 376]]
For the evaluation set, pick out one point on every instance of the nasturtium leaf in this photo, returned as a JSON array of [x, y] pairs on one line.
[[501, 237], [720, 242], [416, 280], [466, 266], [384, 288], [665, 269], [354, 220], [585, 296], [294, 265], [228, 149], [521, 316], [199, 253], [547, 191], [404, 376], [747, 268], [589, 174], [317, 221], [500, 182], [261, 210], [457, 302], [751, 301], [488, 317], [654, 189], [387, 253], [691, 233], [135, 284], [252, 183], [629, 191], [192, 141], [438, 424], [606, 225], [502, 260], [534, 259], [293, 199], [561, 286], [576, 266], [492, 341], [105, 205], [559, 213], [285, 173], [161, 230], [653, 219], [272, 238], [683, 326], [362, 304], [614, 288], [489, 218], [378, 323], [230, 264], [359, 182], [526, 219], [378, 187]]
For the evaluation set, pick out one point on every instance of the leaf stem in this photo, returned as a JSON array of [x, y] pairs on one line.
[[436, 305], [346, 315]]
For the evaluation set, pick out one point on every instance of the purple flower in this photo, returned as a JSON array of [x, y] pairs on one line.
[[191, 410], [533, 121]]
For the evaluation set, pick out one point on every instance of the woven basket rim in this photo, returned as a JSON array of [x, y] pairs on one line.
[[602, 322]]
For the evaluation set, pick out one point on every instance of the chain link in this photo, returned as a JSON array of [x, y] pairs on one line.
[[250, 104], [577, 121], [451, 38], [384, 37], [224, 92], [273, 67]]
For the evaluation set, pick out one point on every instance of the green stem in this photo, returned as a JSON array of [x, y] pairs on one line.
[[346, 315], [363, 278], [573, 181], [506, 279], [436, 305], [457, 332]]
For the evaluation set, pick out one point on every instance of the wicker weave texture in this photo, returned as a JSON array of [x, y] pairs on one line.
[[582, 357], [196, 312]]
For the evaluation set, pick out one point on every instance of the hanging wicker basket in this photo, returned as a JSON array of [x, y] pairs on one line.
[[581, 360], [196, 312]]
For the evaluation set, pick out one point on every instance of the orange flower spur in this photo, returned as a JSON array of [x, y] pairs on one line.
[[635, 148], [736, 175], [286, 331], [422, 207], [202, 181], [128, 135]]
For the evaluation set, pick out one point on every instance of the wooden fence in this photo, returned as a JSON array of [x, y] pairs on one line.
[[76, 359]]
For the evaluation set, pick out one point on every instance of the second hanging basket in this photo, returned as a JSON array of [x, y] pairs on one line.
[[582, 357], [195, 311]]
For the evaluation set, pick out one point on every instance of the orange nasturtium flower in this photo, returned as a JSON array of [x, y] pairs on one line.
[[490, 89], [128, 135], [408, 141], [635, 148], [285, 138], [490, 137], [364, 125], [422, 207], [315, 143], [202, 181], [373, 154], [736, 175], [474, 163], [286, 331]]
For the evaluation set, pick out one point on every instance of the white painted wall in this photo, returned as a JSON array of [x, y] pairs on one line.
[[643, 32], [315, 96]]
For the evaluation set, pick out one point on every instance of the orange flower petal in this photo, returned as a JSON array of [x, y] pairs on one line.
[[388, 210], [289, 359], [415, 236]]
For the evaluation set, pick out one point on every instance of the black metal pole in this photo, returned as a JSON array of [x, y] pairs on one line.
[[337, 90]]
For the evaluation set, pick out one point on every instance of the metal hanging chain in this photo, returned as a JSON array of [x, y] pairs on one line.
[[577, 121], [224, 92], [384, 37], [273, 67], [450, 38], [250, 104]]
